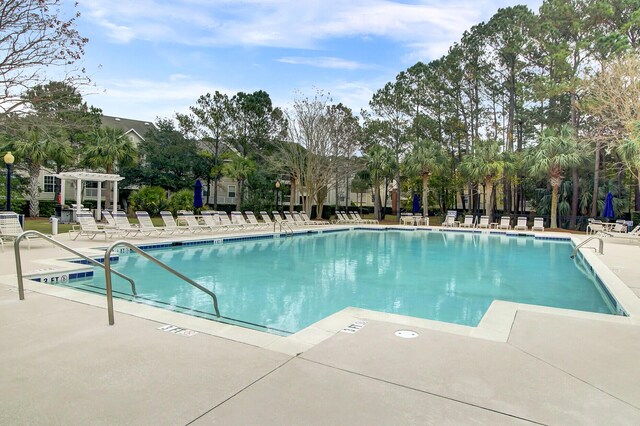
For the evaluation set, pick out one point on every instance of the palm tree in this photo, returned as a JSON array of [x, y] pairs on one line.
[[239, 168], [556, 152], [425, 158], [107, 148], [485, 165], [380, 162]]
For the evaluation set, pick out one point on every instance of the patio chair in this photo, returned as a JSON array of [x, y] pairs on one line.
[[297, 216], [521, 225], [266, 218], [123, 225], [10, 228], [595, 226], [192, 222], [111, 221], [505, 222], [342, 218], [468, 222], [371, 221], [88, 227], [352, 217], [449, 221], [237, 218], [290, 219], [170, 223], [306, 218], [253, 220], [226, 221], [279, 219], [407, 219], [538, 224], [484, 222], [146, 224]]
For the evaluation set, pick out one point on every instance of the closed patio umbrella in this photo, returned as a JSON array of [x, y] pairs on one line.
[[197, 194], [608, 207], [416, 203]]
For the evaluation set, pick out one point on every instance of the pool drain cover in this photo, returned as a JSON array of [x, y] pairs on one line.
[[406, 334]]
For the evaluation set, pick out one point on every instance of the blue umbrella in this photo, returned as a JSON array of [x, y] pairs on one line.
[[197, 194], [416, 203], [608, 207]]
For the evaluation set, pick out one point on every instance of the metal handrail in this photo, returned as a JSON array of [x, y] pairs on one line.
[[282, 223], [16, 248], [107, 264], [594, 237]]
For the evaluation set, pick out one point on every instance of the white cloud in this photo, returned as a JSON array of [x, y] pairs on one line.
[[323, 62], [147, 99], [281, 23]]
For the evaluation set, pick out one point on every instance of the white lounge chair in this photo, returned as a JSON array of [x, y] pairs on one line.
[[538, 224], [123, 224], [266, 218], [407, 219], [237, 218], [371, 221], [521, 225], [226, 221], [450, 221], [306, 218], [10, 228], [192, 222], [170, 223], [595, 226], [253, 220], [468, 222], [111, 221], [484, 222], [290, 219], [505, 222], [88, 227], [146, 224]]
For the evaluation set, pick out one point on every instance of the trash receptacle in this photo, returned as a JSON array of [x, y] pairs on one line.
[[54, 225]]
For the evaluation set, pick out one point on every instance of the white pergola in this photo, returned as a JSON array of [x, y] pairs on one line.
[[90, 177]]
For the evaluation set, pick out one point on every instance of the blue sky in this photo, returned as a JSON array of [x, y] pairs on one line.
[[153, 58]]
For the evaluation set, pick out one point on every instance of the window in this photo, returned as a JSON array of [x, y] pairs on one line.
[[231, 191], [49, 183]]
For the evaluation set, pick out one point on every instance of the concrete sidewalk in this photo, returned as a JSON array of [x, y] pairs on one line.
[[63, 365]]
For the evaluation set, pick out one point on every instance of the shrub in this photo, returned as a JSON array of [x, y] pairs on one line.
[[181, 200], [151, 199]]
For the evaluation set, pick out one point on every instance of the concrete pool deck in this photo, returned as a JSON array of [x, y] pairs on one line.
[[62, 364]]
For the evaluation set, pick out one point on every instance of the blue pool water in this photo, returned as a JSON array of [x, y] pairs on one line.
[[286, 284]]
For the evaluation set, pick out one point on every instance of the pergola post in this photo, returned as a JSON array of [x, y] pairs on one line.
[[115, 196], [78, 195], [99, 202]]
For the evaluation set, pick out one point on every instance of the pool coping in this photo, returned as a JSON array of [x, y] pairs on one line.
[[495, 325]]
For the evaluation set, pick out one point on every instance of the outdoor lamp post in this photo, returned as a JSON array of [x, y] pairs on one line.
[[8, 160], [277, 194]]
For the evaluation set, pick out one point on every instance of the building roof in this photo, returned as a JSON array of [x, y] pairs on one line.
[[128, 125]]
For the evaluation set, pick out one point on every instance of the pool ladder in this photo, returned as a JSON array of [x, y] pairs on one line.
[[287, 232], [107, 268], [594, 237]]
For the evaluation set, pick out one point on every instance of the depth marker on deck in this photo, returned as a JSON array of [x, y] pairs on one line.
[[177, 330], [354, 327]]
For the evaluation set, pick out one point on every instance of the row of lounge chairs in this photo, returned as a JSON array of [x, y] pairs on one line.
[[118, 224], [484, 222], [353, 217]]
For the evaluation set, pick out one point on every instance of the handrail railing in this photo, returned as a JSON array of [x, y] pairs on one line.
[[141, 252], [16, 248], [282, 223], [593, 237]]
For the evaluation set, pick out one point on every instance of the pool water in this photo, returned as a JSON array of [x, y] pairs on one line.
[[284, 285]]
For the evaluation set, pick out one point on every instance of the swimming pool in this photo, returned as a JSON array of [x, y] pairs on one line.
[[283, 285]]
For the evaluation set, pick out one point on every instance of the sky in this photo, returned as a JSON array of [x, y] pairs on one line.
[[149, 59]]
